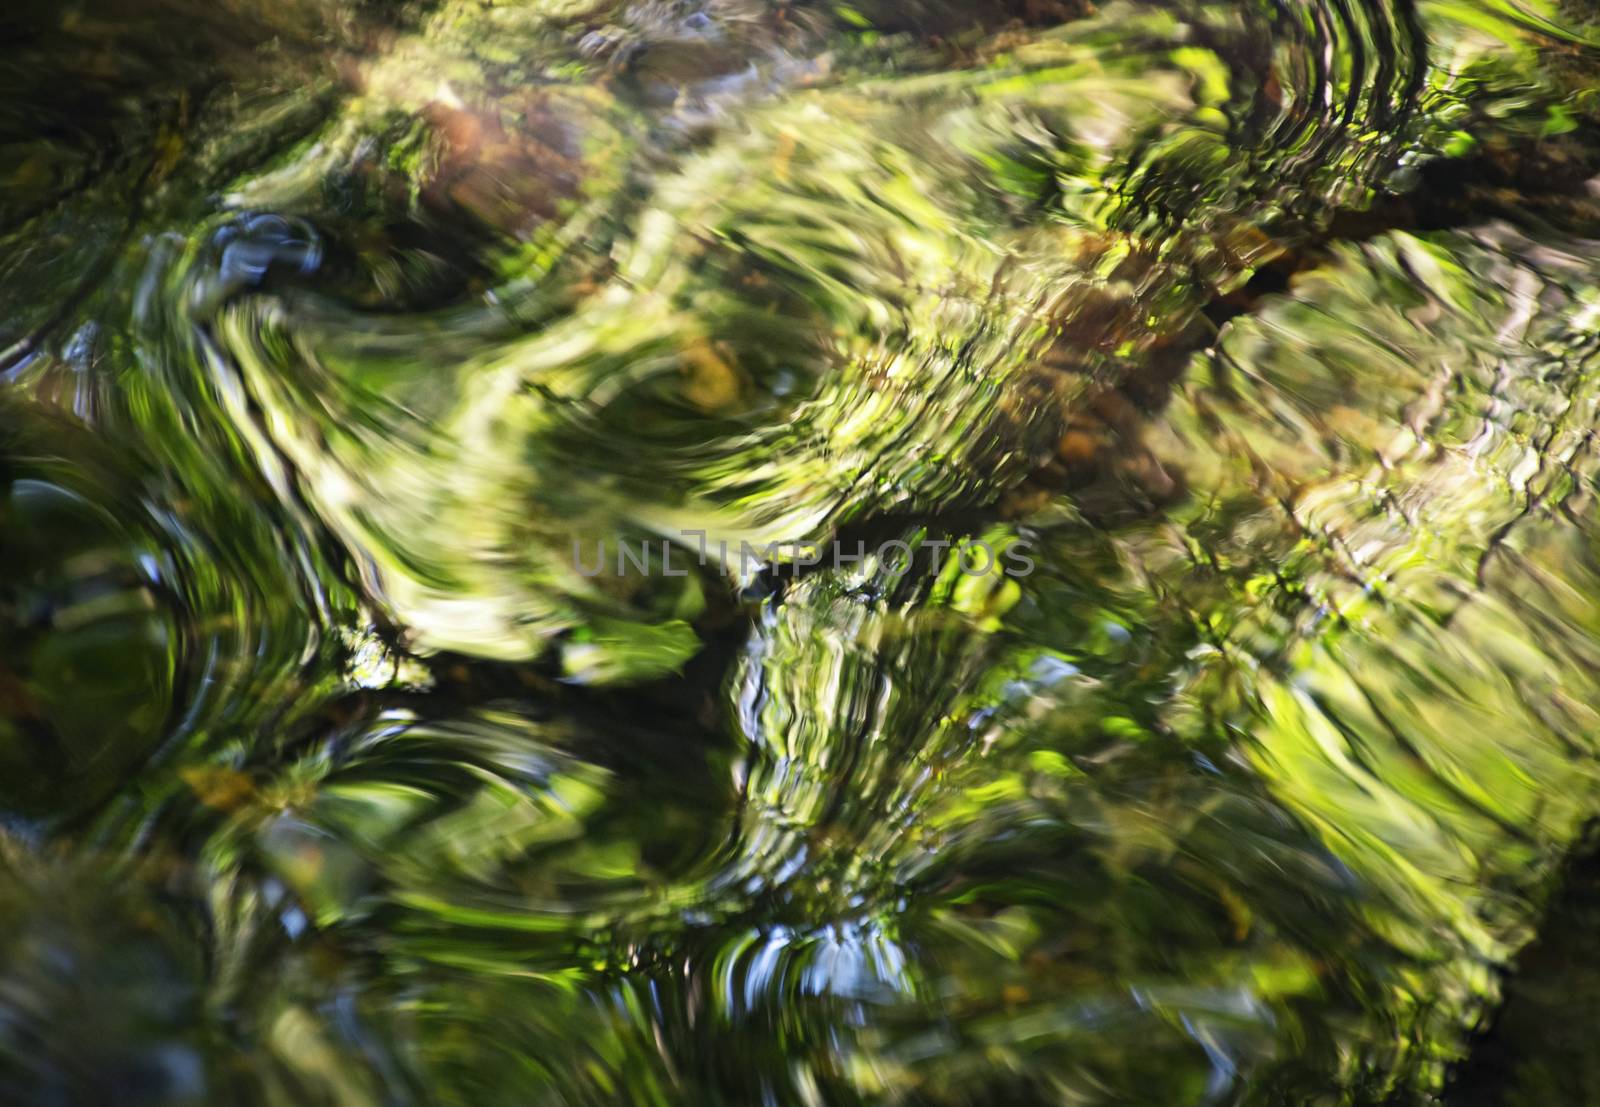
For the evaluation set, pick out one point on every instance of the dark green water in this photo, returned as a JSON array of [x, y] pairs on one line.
[[1250, 352]]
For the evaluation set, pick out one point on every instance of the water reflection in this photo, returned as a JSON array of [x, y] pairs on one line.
[[331, 776]]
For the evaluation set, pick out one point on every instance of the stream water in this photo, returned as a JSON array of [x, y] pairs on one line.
[[781, 552]]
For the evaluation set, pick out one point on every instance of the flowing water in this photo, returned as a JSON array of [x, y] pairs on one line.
[[428, 435]]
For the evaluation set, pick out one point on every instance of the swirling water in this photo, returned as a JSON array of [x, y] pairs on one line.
[[1252, 340]]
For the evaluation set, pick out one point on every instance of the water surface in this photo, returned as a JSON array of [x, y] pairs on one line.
[[1252, 341]]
